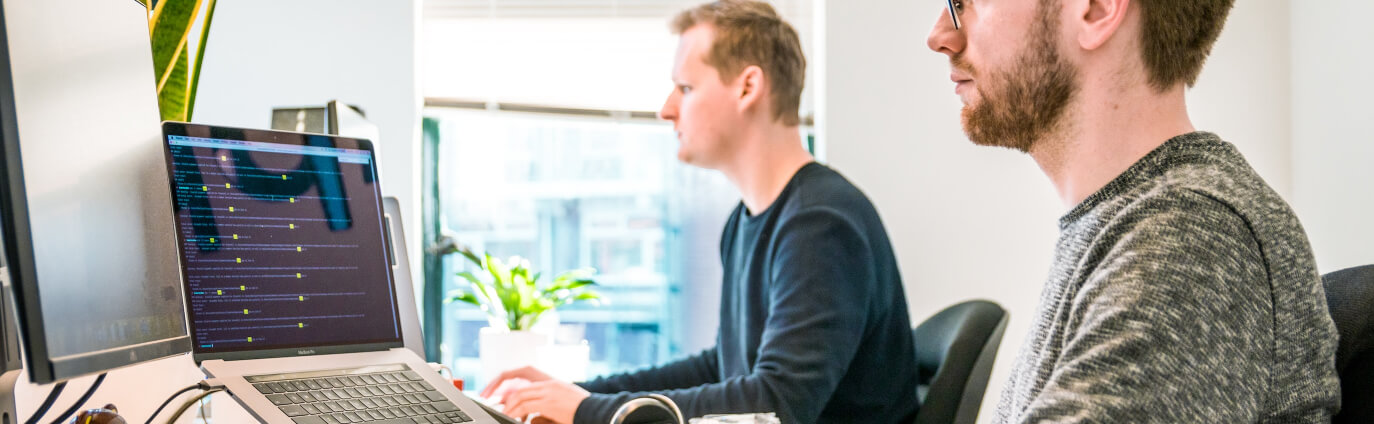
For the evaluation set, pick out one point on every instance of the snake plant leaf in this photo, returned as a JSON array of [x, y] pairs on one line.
[[169, 24], [200, 58], [171, 97]]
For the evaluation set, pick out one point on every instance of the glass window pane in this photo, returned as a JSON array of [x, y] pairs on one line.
[[574, 192]]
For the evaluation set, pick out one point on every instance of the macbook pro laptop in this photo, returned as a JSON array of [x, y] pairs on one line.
[[287, 274]]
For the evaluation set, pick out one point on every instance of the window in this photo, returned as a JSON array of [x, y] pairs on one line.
[[571, 192], [578, 187]]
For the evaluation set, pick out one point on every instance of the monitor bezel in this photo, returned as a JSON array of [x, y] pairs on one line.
[[198, 354]]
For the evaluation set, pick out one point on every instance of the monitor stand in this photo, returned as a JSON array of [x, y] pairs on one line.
[[10, 366]]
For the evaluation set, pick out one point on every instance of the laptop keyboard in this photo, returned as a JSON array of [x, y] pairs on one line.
[[388, 394]]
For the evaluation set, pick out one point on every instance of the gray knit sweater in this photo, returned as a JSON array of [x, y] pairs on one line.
[[1184, 291]]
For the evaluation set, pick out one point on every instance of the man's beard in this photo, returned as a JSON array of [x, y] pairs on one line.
[[1025, 103]]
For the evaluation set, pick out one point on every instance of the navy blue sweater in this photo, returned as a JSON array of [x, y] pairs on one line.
[[813, 320]]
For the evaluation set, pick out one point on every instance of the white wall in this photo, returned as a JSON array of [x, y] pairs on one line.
[[263, 54], [976, 222], [1333, 149]]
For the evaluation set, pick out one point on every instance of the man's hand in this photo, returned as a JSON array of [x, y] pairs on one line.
[[509, 380], [555, 401]]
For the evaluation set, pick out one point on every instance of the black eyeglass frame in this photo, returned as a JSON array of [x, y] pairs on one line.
[[953, 14]]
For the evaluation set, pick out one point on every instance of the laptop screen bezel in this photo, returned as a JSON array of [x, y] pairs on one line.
[[198, 354]]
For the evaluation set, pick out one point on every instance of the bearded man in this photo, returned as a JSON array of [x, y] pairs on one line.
[[1183, 288]]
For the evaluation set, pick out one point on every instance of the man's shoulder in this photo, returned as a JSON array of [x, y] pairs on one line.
[[821, 189]]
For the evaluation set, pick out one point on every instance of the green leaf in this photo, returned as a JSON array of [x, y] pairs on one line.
[[171, 100], [200, 58], [169, 29], [464, 297], [594, 298]]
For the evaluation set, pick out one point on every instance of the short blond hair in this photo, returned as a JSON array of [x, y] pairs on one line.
[[752, 33]]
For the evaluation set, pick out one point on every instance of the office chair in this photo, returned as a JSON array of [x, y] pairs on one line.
[[1350, 296], [954, 354]]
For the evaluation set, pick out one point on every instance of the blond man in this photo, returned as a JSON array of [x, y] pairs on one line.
[[813, 319]]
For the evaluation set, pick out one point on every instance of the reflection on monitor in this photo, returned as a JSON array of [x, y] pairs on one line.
[[281, 241], [87, 219]]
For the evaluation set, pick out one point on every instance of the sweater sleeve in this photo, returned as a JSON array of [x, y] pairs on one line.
[[692, 371], [821, 284], [1174, 325]]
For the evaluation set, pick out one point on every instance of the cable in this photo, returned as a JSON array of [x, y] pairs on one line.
[[202, 416], [171, 398], [187, 404], [85, 397], [47, 403]]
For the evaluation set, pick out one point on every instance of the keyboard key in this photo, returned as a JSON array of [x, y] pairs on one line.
[[386, 390], [295, 398], [445, 406], [357, 404], [311, 409], [353, 415], [352, 393], [357, 381], [279, 400], [412, 376], [375, 415], [329, 419], [426, 385], [308, 420], [429, 409], [367, 378], [375, 391], [293, 410], [262, 388], [313, 385], [435, 396], [299, 386]]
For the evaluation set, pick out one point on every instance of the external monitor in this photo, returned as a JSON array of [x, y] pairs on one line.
[[84, 208]]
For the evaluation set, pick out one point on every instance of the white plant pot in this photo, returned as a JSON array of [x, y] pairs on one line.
[[501, 350]]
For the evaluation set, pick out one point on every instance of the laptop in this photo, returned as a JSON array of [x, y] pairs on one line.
[[286, 271]]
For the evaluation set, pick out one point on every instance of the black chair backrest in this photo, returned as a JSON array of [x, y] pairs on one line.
[[1350, 295], [955, 349]]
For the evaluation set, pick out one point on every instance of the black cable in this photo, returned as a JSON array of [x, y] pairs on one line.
[[171, 398], [82, 401], [47, 403]]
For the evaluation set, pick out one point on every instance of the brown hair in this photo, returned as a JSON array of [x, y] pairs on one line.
[[1177, 36], [751, 33]]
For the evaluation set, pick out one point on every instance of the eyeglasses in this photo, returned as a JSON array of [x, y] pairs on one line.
[[955, 8]]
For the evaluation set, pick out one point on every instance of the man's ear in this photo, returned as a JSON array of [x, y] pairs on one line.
[[750, 82], [1098, 20]]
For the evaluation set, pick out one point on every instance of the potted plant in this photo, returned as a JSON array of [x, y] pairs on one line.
[[516, 302]]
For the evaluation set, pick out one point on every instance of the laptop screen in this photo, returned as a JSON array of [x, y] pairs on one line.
[[281, 241]]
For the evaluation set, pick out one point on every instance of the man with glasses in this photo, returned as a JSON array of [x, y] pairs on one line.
[[1183, 288]]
